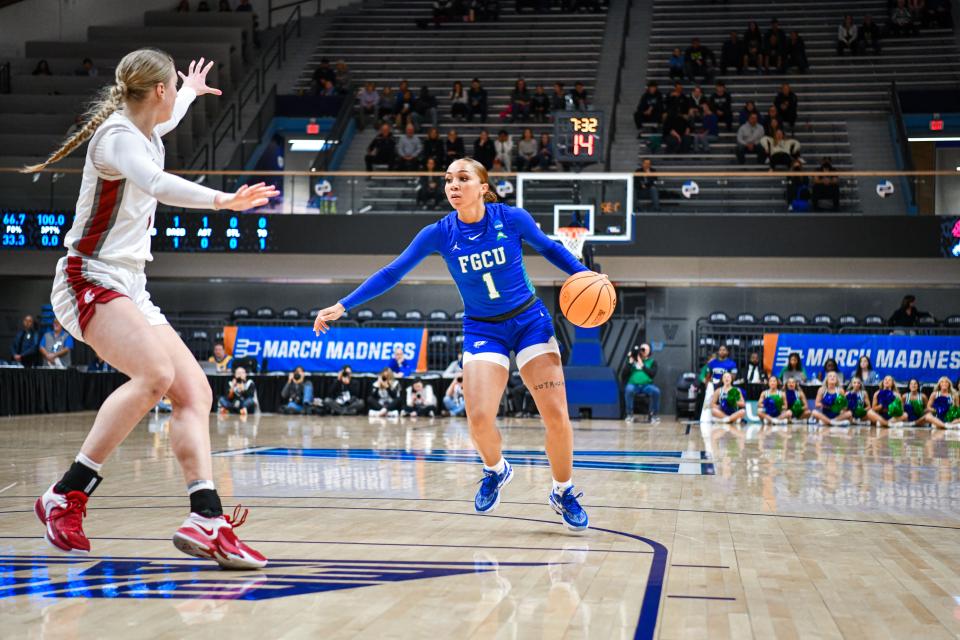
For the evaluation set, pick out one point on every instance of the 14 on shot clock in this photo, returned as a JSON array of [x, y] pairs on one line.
[[578, 136]]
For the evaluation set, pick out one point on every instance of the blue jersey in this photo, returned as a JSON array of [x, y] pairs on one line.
[[720, 367], [485, 259]]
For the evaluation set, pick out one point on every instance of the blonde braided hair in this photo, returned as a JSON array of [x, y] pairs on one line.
[[135, 77]]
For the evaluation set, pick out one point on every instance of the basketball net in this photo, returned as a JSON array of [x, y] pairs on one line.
[[573, 239]]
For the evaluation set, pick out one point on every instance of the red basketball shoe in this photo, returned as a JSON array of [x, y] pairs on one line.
[[213, 538], [62, 515]]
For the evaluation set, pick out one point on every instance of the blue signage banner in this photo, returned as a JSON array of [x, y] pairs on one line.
[[364, 350], [926, 358]]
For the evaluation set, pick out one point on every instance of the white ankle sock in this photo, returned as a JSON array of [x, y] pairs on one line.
[[499, 467], [88, 463], [560, 487], [197, 485]]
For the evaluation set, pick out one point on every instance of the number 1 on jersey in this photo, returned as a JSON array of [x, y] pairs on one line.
[[491, 288]]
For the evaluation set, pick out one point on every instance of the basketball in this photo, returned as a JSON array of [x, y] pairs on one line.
[[587, 299]]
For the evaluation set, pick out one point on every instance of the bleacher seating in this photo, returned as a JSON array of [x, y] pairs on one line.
[[265, 313], [835, 90]]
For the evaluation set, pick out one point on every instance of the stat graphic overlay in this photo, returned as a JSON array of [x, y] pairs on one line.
[[35, 230], [578, 136]]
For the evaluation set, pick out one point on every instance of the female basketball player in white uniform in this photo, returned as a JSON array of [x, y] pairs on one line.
[[99, 296]]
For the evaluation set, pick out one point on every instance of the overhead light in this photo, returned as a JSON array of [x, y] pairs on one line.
[[935, 139], [311, 144]]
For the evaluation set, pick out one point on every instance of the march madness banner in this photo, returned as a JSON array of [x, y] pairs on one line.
[[365, 350], [926, 358]]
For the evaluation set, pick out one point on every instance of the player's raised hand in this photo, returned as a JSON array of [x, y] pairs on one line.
[[246, 197], [327, 315], [196, 78]]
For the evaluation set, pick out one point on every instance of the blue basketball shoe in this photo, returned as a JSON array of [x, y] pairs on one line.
[[488, 495], [566, 505]]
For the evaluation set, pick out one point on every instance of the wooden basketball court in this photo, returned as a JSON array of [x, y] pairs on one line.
[[722, 532]]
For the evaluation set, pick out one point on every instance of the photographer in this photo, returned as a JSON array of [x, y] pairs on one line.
[[297, 393], [453, 398], [643, 369], [344, 401], [384, 398], [421, 400], [241, 395]]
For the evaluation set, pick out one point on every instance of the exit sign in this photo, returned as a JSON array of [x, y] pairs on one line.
[[313, 128], [936, 125]]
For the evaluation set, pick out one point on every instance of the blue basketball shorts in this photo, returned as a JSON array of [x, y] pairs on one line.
[[528, 334]]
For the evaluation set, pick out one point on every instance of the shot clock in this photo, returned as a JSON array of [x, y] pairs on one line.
[[578, 136]]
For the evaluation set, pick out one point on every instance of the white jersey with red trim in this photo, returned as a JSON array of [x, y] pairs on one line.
[[123, 179]]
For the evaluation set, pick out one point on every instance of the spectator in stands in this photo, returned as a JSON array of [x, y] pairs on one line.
[[646, 186], [546, 158], [699, 61], [504, 149], [770, 121], [453, 398], [752, 47], [720, 364], [343, 77], [323, 72], [748, 107], [795, 53], [388, 101], [241, 394], [831, 406], [675, 62], [540, 104], [429, 189], [343, 399], [901, 21], [521, 401], [828, 366], [676, 102], [794, 369], [696, 97], [826, 187], [458, 101], [748, 140], [703, 127], [443, 10], [224, 6], [526, 150], [731, 54], [382, 149], [650, 107], [918, 11], [425, 108], [409, 149], [728, 403], [798, 189], [244, 6], [55, 347], [781, 151], [643, 369], [938, 14], [908, 314], [676, 134], [203, 7], [87, 68], [327, 89], [869, 35], [559, 100], [297, 393], [421, 401], [519, 101], [404, 108], [453, 148], [773, 53], [183, 6], [756, 374], [42, 69], [26, 343], [775, 30], [484, 150], [399, 364], [579, 97], [865, 371], [220, 358], [721, 102], [368, 104], [786, 103], [454, 369], [433, 147], [847, 35], [384, 397], [476, 101]]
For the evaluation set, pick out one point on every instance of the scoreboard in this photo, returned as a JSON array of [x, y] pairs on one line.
[[578, 136]]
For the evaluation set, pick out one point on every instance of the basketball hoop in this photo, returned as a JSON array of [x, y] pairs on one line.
[[573, 239]]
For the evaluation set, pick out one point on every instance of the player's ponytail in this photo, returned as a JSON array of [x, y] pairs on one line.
[[136, 75], [490, 196]]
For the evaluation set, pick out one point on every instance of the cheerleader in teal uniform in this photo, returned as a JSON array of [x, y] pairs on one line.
[[858, 402], [796, 400], [830, 407], [915, 404], [943, 408], [772, 407], [887, 409], [729, 402]]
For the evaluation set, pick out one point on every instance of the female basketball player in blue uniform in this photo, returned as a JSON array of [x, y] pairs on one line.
[[481, 242]]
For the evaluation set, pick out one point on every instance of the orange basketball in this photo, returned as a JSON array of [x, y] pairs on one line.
[[587, 299]]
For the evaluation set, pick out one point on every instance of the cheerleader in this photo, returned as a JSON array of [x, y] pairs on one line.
[[858, 401], [943, 407], [796, 400], [729, 402], [887, 409], [915, 404], [831, 404], [772, 408]]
